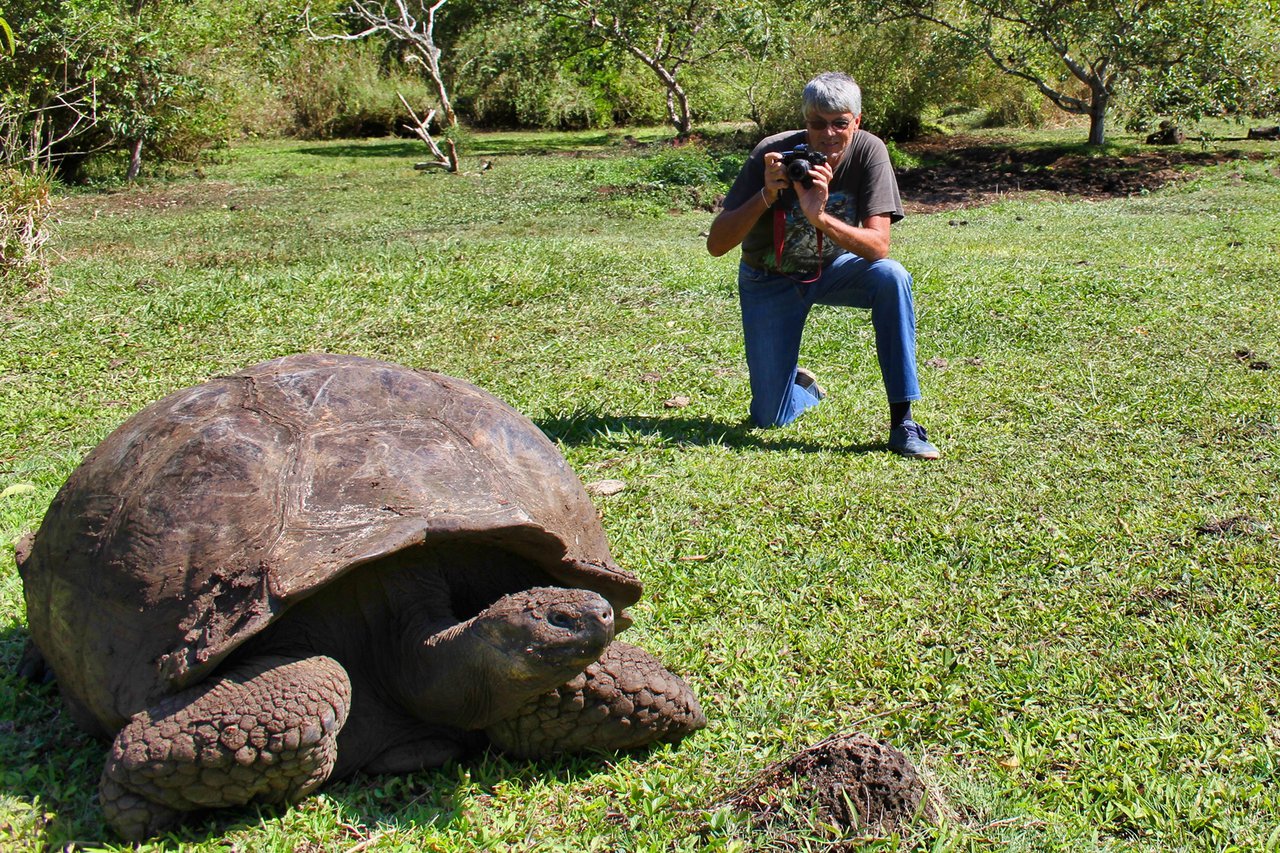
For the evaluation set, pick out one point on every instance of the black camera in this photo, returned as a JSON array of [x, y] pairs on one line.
[[798, 161]]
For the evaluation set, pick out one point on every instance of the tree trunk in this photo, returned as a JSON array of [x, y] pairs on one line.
[[135, 160], [1098, 117], [684, 120]]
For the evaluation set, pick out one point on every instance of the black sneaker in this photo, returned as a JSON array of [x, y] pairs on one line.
[[909, 439]]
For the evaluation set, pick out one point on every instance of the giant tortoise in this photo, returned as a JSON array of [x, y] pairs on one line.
[[327, 564]]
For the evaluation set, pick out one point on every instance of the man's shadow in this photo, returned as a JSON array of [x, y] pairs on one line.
[[584, 427]]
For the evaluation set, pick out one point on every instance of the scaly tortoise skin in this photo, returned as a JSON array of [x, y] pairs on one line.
[[327, 564]]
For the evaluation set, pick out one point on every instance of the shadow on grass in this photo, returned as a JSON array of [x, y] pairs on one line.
[[479, 145], [440, 798], [389, 148], [592, 428], [49, 769], [46, 762], [960, 171]]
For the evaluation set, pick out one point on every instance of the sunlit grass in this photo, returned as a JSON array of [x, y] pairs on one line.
[[1060, 621]]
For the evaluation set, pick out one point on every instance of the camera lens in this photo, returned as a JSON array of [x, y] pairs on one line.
[[798, 170]]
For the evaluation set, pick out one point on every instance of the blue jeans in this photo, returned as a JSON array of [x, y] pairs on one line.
[[774, 310]]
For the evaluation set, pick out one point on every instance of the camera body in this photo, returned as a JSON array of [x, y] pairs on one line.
[[798, 161]]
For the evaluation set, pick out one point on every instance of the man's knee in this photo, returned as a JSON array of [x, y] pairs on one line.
[[889, 273]]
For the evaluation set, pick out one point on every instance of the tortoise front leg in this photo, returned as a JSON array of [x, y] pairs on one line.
[[264, 732], [625, 700]]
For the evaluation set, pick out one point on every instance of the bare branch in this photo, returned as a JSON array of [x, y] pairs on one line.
[[395, 20]]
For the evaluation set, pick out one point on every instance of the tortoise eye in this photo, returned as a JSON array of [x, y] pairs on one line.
[[560, 619]]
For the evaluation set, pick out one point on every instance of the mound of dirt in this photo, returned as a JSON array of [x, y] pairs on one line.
[[850, 781]]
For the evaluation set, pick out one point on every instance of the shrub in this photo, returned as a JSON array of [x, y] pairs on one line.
[[26, 211], [348, 91], [685, 166]]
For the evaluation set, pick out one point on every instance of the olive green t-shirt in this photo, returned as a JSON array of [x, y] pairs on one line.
[[863, 185]]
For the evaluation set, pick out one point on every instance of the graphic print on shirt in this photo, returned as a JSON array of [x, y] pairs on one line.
[[800, 239]]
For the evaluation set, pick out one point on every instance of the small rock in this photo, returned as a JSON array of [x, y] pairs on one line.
[[605, 487]]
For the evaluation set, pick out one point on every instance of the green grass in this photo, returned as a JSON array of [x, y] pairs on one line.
[[1047, 621]]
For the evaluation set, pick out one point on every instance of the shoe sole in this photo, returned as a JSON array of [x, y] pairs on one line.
[[810, 382], [924, 454]]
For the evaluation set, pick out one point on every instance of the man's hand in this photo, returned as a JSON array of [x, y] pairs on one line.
[[813, 198], [775, 177]]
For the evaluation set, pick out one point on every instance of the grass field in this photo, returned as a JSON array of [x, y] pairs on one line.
[[1069, 623]]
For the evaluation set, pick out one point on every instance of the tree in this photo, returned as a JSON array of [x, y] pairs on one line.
[[1145, 49], [411, 27], [104, 75], [668, 37]]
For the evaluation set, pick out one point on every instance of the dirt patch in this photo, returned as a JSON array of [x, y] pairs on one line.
[[960, 172], [1239, 525], [850, 781], [174, 197]]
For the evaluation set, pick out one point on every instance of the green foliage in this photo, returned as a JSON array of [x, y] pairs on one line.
[[7, 43], [905, 68], [673, 41], [93, 75], [527, 69], [1233, 68], [348, 90], [100, 75], [901, 158], [1181, 57], [685, 166]]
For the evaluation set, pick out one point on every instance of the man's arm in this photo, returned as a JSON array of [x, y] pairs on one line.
[[868, 240], [730, 227]]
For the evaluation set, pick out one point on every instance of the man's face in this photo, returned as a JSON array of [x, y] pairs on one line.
[[831, 133]]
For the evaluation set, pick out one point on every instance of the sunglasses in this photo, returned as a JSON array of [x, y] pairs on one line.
[[823, 124]]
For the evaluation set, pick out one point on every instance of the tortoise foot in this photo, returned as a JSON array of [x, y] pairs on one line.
[[133, 817], [625, 700], [265, 732]]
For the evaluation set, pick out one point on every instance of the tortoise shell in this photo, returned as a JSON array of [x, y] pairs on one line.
[[205, 516]]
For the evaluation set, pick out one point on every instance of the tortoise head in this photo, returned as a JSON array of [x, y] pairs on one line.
[[521, 646], [546, 634]]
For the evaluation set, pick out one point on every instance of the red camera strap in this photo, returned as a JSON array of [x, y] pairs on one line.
[[779, 234]]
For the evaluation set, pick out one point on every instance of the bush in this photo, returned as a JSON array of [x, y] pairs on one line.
[[531, 72], [685, 166], [26, 211], [347, 91]]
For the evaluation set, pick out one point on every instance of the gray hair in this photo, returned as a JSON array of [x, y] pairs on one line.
[[832, 92]]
